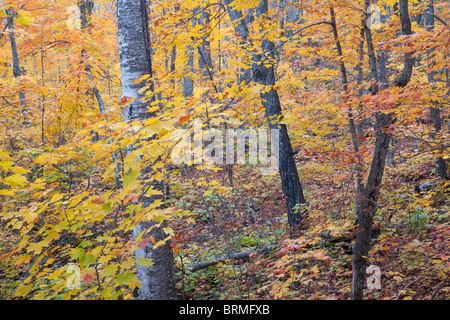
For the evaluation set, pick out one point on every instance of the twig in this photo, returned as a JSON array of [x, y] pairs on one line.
[[346, 191], [399, 294], [435, 292]]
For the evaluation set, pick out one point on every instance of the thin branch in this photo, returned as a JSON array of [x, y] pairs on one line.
[[435, 292], [207, 69], [6, 27], [232, 256], [410, 283]]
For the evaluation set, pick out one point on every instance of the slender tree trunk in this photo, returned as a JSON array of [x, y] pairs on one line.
[[351, 118], [86, 7], [205, 59], [17, 71], [188, 82], [157, 281], [264, 74], [368, 206], [435, 112], [240, 27]]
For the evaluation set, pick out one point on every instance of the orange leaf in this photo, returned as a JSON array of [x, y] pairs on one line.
[[184, 118], [98, 200], [88, 276], [123, 100]]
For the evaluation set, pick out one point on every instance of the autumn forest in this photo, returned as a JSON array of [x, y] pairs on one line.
[[224, 150]]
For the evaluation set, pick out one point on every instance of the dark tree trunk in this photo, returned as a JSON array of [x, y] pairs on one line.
[[86, 7], [157, 281], [435, 112], [367, 208], [264, 74], [205, 59], [17, 71], [188, 82], [241, 29]]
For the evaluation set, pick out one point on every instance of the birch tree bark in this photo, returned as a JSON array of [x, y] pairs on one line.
[[157, 281]]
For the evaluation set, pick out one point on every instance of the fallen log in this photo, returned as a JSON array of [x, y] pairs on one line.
[[232, 256]]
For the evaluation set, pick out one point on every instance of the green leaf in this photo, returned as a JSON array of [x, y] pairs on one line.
[[107, 207], [77, 253], [25, 18], [110, 270], [87, 260], [145, 262], [125, 278], [130, 178], [84, 243]]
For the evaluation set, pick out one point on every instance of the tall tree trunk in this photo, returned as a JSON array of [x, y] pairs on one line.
[[264, 74], [17, 71], [205, 59], [435, 112], [86, 7], [351, 119], [157, 281], [241, 29], [368, 206], [188, 82]]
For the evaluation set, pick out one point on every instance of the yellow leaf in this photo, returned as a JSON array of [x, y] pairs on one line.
[[16, 180], [25, 18], [57, 197], [190, 220], [6, 192], [36, 247], [169, 231], [23, 291], [30, 216]]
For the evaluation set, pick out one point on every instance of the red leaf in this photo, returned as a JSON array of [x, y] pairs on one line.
[[281, 252], [144, 242]]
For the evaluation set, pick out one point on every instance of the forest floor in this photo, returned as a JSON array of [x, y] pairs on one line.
[[410, 243]]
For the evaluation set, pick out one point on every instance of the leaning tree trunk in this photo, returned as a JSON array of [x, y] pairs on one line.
[[157, 281], [264, 74]]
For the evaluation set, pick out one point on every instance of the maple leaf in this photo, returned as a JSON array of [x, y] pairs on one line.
[[184, 118], [88, 276]]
